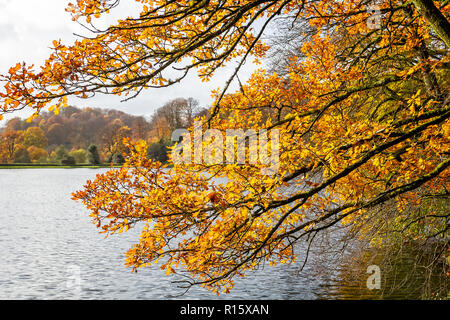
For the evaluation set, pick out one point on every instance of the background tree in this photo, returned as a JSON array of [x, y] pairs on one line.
[[117, 158], [140, 128], [3, 153], [36, 154], [15, 124], [34, 136], [56, 134], [10, 140], [21, 154], [159, 151], [68, 160], [59, 154], [79, 155], [113, 136]]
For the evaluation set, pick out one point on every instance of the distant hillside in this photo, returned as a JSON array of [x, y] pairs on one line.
[[78, 128]]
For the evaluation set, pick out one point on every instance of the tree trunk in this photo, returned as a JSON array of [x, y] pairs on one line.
[[435, 18]]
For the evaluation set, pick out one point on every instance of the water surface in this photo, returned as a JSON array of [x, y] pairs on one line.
[[51, 250]]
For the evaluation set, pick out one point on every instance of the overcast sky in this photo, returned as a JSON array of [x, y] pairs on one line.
[[27, 28]]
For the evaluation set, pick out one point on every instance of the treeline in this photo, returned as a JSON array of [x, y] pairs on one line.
[[92, 136]]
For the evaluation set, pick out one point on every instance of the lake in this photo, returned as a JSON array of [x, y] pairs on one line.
[[51, 250]]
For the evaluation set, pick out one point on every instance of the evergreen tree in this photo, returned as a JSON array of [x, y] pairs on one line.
[[93, 155]]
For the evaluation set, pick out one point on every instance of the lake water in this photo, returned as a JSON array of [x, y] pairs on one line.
[[51, 250]]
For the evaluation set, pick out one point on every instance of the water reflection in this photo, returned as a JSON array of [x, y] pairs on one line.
[[406, 273]]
